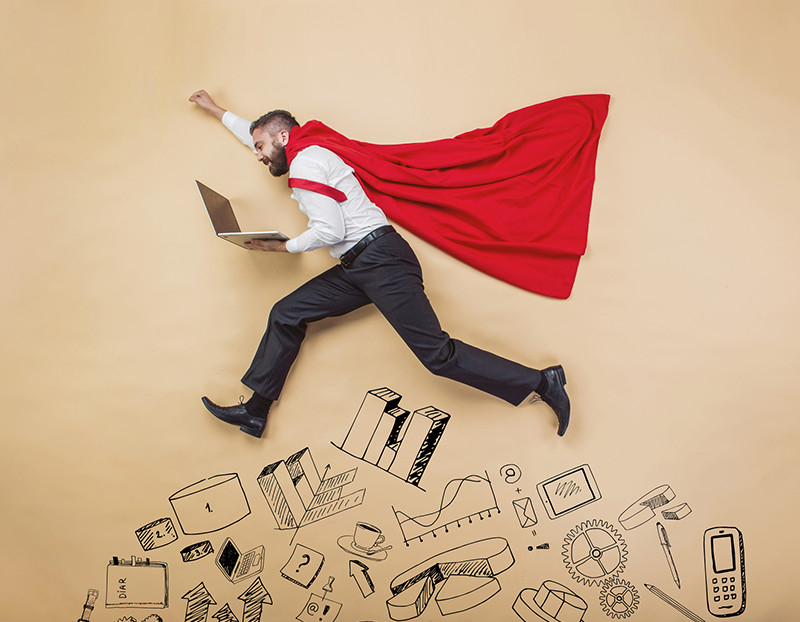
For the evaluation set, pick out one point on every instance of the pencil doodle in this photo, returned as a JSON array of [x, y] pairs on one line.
[[465, 576], [153, 617], [156, 534], [298, 496], [384, 435], [303, 566], [462, 500], [137, 583], [198, 602], [673, 603], [594, 551], [210, 504]]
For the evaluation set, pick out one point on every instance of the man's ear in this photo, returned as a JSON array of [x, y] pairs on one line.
[[283, 137]]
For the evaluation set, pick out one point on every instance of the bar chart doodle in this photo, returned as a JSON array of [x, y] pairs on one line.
[[386, 436], [298, 496], [463, 500]]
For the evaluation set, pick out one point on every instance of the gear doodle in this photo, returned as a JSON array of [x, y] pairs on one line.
[[594, 551], [618, 598]]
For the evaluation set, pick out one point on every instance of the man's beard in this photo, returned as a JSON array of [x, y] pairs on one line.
[[278, 163]]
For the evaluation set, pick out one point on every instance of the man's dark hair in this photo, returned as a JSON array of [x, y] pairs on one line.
[[277, 120]]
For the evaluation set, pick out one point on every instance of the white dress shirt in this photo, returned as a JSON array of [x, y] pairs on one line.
[[331, 224]]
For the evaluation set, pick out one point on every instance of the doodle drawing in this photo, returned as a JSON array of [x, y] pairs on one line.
[[254, 598], [360, 573], [462, 500], [366, 541], [237, 567], [552, 602], [386, 436], [642, 510], [465, 576], [297, 496], [88, 605], [510, 473], [210, 504], [198, 602], [303, 566], [319, 609], [663, 540], [677, 512], [568, 491], [137, 583], [619, 598], [673, 603], [526, 515], [594, 551], [156, 534], [723, 553], [196, 551], [225, 614]]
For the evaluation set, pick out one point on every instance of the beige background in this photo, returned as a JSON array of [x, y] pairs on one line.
[[120, 309]]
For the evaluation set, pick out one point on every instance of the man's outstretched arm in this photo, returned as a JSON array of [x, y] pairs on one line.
[[237, 125]]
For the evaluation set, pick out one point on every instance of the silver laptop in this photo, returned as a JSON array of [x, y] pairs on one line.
[[224, 221]]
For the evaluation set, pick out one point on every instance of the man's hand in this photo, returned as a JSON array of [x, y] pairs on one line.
[[203, 99], [273, 246]]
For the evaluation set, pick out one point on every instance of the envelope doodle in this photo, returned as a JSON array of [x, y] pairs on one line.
[[526, 515]]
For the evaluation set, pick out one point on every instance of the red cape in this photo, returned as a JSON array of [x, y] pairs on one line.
[[511, 200]]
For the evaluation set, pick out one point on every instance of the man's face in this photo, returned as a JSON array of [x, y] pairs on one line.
[[271, 150]]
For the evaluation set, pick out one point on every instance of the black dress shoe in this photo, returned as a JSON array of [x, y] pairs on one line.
[[238, 415], [555, 396]]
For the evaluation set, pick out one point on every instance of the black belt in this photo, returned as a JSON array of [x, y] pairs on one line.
[[355, 250]]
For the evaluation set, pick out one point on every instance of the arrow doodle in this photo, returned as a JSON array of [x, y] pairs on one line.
[[254, 598], [359, 572], [198, 602], [225, 615]]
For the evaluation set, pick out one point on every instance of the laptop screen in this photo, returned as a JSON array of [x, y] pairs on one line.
[[228, 557]]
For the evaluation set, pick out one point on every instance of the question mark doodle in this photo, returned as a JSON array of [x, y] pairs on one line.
[[305, 563]]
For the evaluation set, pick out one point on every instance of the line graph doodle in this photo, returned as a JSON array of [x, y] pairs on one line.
[[462, 500]]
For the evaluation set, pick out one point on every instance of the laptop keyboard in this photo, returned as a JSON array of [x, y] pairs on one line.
[[247, 563]]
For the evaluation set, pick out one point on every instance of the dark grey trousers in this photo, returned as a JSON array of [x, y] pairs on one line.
[[386, 274]]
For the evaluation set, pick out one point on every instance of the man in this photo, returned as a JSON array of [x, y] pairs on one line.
[[376, 266]]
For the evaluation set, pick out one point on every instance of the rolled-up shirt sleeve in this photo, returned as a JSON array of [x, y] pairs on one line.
[[240, 128], [325, 222]]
